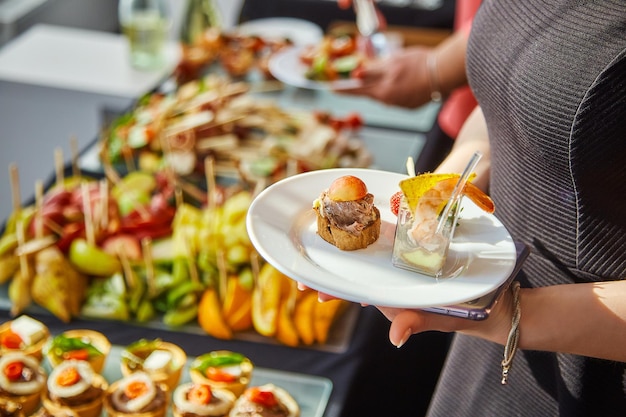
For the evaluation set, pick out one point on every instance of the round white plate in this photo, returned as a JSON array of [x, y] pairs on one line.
[[282, 226], [286, 66], [301, 32]]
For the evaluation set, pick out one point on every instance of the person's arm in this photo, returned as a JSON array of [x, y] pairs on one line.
[[585, 319], [472, 137]]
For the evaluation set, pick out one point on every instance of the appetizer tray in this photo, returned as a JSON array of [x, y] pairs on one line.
[[310, 392], [338, 341]]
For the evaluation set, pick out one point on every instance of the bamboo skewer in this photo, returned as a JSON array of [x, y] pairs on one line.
[[59, 167], [89, 232], [74, 154], [38, 208], [211, 184], [146, 249], [15, 189]]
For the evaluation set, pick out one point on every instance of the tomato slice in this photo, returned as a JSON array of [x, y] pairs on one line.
[[11, 340], [200, 394], [13, 370], [217, 374], [135, 389], [257, 395], [78, 354], [68, 377]]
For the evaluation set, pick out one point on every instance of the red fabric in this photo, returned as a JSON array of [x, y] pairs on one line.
[[461, 101]]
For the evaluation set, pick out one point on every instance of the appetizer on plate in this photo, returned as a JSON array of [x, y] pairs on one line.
[[163, 361], [346, 215], [136, 395], [265, 400], [22, 380], [335, 57], [74, 389], [422, 235], [23, 334], [222, 369], [201, 400], [80, 344]]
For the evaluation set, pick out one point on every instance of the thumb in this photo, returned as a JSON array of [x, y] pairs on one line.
[[404, 325]]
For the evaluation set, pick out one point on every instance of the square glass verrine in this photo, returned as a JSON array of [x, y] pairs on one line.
[[421, 244]]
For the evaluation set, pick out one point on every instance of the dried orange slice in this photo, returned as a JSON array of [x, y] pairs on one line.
[[266, 300], [210, 316], [415, 187]]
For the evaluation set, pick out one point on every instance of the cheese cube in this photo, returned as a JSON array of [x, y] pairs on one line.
[[158, 361], [28, 329]]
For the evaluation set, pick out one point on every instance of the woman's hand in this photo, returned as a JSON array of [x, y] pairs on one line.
[[400, 79]]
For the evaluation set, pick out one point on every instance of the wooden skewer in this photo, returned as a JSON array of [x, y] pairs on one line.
[[223, 274], [129, 275], [211, 184], [255, 267], [410, 167], [21, 239], [38, 207], [58, 164], [104, 204], [146, 248], [74, 153], [89, 232], [15, 189]]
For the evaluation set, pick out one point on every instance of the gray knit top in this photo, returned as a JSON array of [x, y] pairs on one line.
[[550, 76]]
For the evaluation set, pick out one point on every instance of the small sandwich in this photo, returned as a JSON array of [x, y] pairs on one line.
[[265, 400], [136, 395], [22, 380], [74, 388], [200, 400], [346, 215]]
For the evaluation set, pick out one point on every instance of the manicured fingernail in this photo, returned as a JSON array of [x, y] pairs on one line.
[[405, 337]]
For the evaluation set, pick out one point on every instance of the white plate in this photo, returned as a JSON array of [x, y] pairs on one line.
[[301, 32], [282, 226], [286, 66]]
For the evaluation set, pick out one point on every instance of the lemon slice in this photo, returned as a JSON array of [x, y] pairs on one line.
[[415, 187]]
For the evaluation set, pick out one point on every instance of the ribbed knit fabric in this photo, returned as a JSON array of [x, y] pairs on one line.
[[550, 76]]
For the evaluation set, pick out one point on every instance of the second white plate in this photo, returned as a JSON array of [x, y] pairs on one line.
[[286, 66], [282, 226]]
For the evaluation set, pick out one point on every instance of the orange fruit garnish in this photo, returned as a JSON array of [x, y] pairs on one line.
[[416, 187]]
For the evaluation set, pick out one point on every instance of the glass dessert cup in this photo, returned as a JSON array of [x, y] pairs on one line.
[[422, 239], [134, 358], [56, 355]]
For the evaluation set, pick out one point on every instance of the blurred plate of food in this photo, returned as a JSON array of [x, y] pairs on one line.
[[298, 31], [327, 64]]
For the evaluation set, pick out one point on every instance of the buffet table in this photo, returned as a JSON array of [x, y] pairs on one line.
[[391, 134]]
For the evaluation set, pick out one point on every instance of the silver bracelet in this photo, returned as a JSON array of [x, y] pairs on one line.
[[433, 77], [511, 343]]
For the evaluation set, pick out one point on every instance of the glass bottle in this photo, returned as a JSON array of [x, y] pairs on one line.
[[146, 24], [199, 16]]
